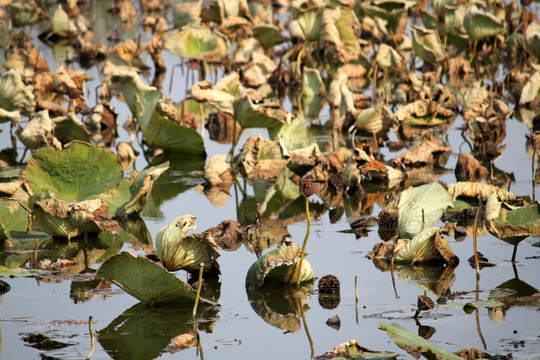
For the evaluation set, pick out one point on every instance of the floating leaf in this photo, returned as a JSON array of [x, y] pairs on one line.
[[472, 304], [421, 207], [411, 342], [20, 272], [178, 251], [146, 281], [475, 189], [79, 172], [353, 350], [280, 265], [199, 43]]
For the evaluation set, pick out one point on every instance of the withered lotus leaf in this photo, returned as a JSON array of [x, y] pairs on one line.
[[280, 265], [14, 94], [178, 251], [199, 43]]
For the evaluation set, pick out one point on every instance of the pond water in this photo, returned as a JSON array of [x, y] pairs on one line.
[[241, 328]]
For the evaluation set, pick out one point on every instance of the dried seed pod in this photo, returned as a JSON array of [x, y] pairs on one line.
[[329, 284], [388, 223], [424, 303], [309, 187], [329, 301]]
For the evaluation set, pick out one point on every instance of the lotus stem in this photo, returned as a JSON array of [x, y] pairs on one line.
[[374, 84], [423, 220], [532, 165], [198, 291], [514, 254], [303, 251], [304, 322], [202, 119], [477, 265], [356, 296], [92, 336], [473, 55]]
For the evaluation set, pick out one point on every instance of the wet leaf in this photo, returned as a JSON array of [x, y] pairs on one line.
[[199, 43], [76, 173], [145, 280], [478, 304], [20, 272], [421, 207], [178, 251], [352, 350], [280, 265], [409, 341]]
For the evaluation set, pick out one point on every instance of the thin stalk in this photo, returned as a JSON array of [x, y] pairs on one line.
[[92, 337], [532, 165], [307, 332], [303, 251], [476, 263], [356, 296], [198, 291], [202, 119]]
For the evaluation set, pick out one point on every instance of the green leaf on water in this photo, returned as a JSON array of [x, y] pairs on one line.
[[409, 341], [145, 280]]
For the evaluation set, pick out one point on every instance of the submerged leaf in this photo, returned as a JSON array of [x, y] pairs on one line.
[[411, 342], [178, 251], [420, 208], [280, 265], [145, 280]]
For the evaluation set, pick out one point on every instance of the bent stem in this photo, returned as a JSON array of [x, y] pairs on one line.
[[303, 251]]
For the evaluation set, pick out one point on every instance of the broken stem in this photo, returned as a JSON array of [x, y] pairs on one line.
[[92, 337], [199, 286], [303, 251]]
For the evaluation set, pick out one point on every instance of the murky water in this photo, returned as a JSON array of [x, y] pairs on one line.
[[237, 330]]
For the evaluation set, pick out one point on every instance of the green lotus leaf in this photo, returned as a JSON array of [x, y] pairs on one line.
[[389, 10], [268, 35], [453, 19], [532, 38], [370, 119], [130, 198], [20, 272], [68, 219], [79, 172], [280, 306], [62, 25], [512, 224], [178, 251], [409, 341], [24, 12], [187, 13], [140, 98], [480, 25], [280, 265], [166, 134], [12, 219], [68, 128], [218, 100], [293, 135], [199, 43], [311, 23], [14, 94], [428, 246], [429, 20], [421, 207], [146, 281], [427, 45], [259, 115]]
